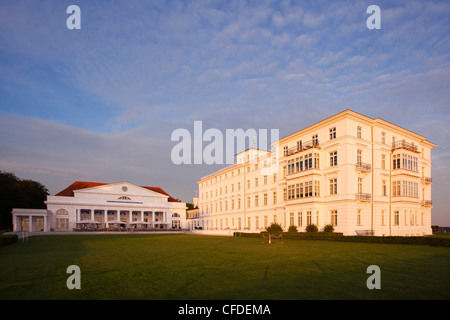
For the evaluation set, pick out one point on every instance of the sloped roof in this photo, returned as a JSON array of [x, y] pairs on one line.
[[77, 185]]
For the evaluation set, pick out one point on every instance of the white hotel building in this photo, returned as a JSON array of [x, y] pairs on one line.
[[361, 175], [88, 206]]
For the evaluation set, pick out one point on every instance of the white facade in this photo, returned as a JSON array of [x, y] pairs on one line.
[[361, 175], [116, 206]]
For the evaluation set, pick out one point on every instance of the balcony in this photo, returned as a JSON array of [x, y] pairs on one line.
[[404, 145], [363, 196], [302, 147], [363, 167], [425, 180], [365, 232], [426, 203]]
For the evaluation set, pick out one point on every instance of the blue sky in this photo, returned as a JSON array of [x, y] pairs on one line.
[[100, 103]]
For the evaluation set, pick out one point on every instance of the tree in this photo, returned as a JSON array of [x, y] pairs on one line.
[[190, 206], [311, 228], [275, 228], [17, 193]]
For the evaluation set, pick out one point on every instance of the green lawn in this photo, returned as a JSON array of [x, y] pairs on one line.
[[174, 266]]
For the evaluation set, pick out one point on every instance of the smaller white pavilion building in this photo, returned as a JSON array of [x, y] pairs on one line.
[[102, 206]]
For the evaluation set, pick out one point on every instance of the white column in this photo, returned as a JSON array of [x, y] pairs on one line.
[[30, 223], [153, 218], [142, 215], [92, 214], [78, 215], [45, 224]]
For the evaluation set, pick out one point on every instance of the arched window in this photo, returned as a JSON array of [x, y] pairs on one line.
[[62, 212], [175, 215], [124, 198]]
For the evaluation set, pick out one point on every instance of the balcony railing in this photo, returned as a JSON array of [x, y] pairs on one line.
[[426, 203], [363, 167], [364, 232], [302, 147], [426, 180], [363, 196], [404, 145]]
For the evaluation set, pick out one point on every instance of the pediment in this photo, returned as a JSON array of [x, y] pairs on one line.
[[120, 189]]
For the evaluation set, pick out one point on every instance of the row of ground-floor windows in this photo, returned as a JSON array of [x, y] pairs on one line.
[[411, 218], [25, 223]]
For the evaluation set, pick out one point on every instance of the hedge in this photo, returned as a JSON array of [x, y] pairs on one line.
[[8, 239], [333, 236]]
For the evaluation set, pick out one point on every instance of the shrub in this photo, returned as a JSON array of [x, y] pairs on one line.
[[275, 228], [8, 239], [311, 228], [328, 228], [293, 229]]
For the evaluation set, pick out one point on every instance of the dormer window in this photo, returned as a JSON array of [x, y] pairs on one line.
[[124, 198]]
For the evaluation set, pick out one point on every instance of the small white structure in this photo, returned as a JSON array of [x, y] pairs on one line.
[[100, 206]]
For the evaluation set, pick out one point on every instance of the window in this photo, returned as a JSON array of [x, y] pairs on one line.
[[382, 217], [383, 161], [383, 137], [265, 179], [396, 161], [256, 200], [358, 217], [333, 186], [359, 185], [333, 133], [256, 182], [62, 223], [248, 202], [358, 132], [334, 217], [62, 212], [265, 199], [274, 197], [265, 221], [308, 218], [333, 159], [396, 218], [291, 219], [358, 156], [315, 140], [300, 219], [384, 187]]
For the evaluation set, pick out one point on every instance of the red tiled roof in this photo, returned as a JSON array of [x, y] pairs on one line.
[[77, 185]]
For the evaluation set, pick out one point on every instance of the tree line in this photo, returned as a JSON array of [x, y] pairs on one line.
[[19, 193]]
